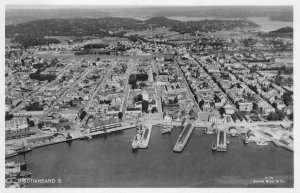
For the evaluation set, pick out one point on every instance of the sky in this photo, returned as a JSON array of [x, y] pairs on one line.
[[83, 4]]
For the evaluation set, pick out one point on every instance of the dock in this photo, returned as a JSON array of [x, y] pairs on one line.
[[146, 136], [221, 141], [183, 138]]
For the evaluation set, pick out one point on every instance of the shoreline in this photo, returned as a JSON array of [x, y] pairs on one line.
[[83, 136], [276, 142]]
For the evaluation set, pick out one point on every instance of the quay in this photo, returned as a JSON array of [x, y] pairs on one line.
[[146, 136], [183, 138], [12, 153], [221, 141], [124, 127]]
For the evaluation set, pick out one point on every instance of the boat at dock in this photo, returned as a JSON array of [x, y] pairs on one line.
[[13, 164], [221, 141], [69, 137], [135, 143], [86, 137], [22, 174], [214, 146], [261, 142], [166, 129], [183, 138], [245, 140], [10, 153], [144, 142]]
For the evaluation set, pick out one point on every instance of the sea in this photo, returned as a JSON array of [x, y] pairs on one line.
[[108, 161]]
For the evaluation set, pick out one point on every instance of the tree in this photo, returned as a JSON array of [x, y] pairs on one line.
[[8, 116], [120, 115], [287, 98], [154, 75], [192, 113], [201, 103], [82, 115], [175, 101], [142, 77], [274, 105], [255, 106], [54, 61], [153, 110], [40, 125], [72, 104], [142, 84], [280, 114], [222, 111], [276, 116], [132, 79], [134, 86], [139, 97], [30, 123], [291, 116], [34, 107], [145, 106], [216, 98]]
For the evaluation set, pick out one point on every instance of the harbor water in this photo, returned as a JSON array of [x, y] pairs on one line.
[[108, 161]]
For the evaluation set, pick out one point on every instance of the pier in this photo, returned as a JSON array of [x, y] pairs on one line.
[[221, 141], [183, 138]]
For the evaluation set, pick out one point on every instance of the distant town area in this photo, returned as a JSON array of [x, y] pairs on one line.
[[68, 79]]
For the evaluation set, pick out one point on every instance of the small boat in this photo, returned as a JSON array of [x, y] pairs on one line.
[[86, 136], [13, 164], [261, 142], [135, 143], [210, 131], [69, 137], [246, 140], [166, 129], [24, 174], [214, 146], [227, 142]]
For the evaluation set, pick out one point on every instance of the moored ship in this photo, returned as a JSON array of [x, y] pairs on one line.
[[145, 136]]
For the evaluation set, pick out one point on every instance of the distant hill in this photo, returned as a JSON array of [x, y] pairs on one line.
[[104, 26], [283, 30], [27, 15], [162, 21], [72, 27]]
